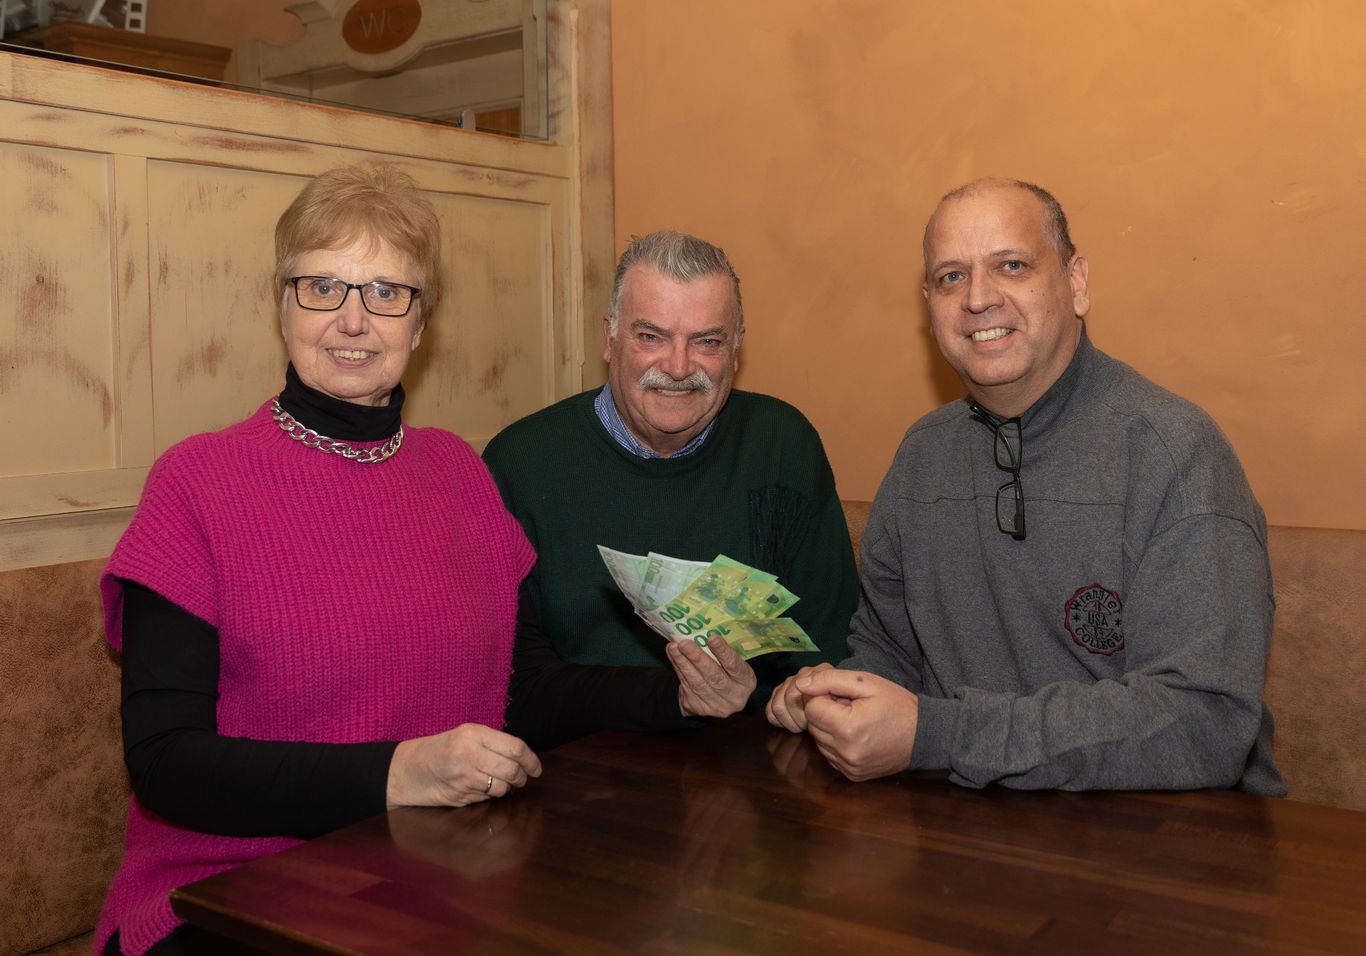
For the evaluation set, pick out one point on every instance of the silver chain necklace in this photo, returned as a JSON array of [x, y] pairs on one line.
[[300, 433]]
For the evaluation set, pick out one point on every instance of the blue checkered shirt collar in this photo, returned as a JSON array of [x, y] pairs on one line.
[[612, 421]]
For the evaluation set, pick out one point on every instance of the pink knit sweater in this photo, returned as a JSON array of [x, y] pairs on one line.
[[353, 602]]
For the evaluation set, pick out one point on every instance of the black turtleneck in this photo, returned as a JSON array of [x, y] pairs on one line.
[[337, 418], [180, 767]]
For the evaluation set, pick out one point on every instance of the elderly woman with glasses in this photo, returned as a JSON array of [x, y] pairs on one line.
[[315, 606]]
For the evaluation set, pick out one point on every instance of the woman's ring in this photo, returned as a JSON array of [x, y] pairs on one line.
[[489, 786]]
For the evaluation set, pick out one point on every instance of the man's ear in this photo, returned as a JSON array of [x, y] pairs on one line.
[[1081, 293], [606, 338]]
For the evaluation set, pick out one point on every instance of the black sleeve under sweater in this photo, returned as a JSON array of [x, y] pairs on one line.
[[183, 770], [552, 701]]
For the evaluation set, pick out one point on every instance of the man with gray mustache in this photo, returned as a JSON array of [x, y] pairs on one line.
[[665, 457]]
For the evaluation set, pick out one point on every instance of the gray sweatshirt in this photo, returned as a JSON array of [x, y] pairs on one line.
[[1122, 643]]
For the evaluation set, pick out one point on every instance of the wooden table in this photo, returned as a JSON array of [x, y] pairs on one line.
[[740, 839]]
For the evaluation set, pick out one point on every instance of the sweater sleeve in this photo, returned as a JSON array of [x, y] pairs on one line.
[[1185, 715], [552, 701], [183, 770], [882, 636], [813, 559]]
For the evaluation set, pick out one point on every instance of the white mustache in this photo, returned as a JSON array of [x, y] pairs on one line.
[[698, 381]]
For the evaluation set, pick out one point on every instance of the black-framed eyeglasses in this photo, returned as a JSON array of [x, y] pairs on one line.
[[1008, 441], [327, 293]]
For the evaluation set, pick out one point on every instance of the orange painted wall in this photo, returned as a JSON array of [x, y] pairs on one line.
[[1211, 156]]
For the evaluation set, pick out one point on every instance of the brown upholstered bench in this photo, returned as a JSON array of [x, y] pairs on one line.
[[66, 788], [1316, 675]]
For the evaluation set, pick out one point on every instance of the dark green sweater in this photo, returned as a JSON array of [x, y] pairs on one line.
[[759, 490]]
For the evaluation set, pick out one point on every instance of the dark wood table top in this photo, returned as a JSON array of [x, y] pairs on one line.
[[740, 839]]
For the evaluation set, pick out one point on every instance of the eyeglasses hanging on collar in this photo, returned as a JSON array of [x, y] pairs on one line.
[[1008, 442]]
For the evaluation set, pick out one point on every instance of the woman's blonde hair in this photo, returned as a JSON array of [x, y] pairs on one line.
[[369, 200]]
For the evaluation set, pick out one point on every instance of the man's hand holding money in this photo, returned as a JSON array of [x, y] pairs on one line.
[[707, 687]]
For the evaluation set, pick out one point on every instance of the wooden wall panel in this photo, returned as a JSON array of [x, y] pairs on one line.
[[216, 344], [488, 356], [56, 310]]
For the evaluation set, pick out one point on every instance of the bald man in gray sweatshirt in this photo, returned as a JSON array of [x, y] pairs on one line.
[[1065, 581]]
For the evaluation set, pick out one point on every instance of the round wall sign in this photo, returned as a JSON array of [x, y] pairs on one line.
[[378, 26]]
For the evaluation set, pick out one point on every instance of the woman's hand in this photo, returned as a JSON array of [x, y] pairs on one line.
[[466, 765]]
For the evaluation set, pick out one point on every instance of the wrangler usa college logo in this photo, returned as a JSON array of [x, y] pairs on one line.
[[1092, 618]]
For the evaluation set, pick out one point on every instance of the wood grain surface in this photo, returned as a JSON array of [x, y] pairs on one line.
[[740, 839]]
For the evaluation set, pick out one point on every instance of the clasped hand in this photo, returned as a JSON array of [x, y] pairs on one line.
[[864, 725], [454, 768], [711, 688]]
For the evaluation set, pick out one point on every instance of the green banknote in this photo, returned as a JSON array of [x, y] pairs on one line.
[[727, 599], [665, 577], [752, 638], [628, 570], [649, 580], [729, 592]]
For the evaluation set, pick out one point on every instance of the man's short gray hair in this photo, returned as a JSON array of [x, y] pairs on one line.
[[1054, 219], [681, 257]]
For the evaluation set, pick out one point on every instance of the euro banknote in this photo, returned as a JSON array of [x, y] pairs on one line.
[[689, 600]]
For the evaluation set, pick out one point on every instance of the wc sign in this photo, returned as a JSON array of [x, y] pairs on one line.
[[378, 26]]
